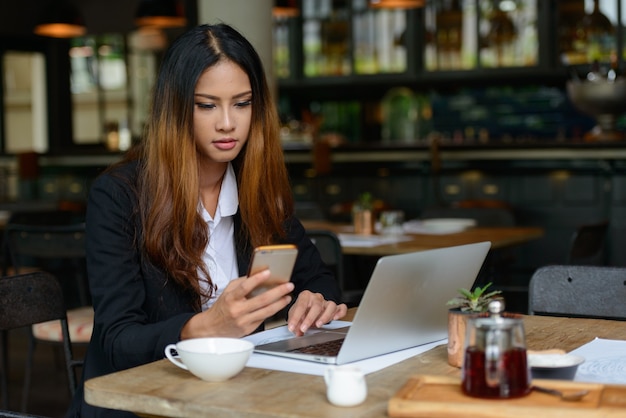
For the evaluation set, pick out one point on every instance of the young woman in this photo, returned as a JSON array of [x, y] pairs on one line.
[[171, 229]]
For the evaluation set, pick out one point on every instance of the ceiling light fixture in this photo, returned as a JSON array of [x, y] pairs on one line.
[[285, 8], [61, 19], [396, 4], [161, 14]]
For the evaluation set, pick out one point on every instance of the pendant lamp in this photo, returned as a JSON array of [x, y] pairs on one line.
[[61, 19], [160, 14], [396, 4], [285, 8]]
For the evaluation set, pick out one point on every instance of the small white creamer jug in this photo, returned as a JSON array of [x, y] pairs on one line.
[[345, 385]]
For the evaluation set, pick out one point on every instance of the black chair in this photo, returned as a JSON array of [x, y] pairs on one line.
[[52, 242], [59, 249], [329, 246], [29, 299], [587, 244], [583, 291]]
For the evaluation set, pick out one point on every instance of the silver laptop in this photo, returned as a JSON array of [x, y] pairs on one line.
[[404, 305]]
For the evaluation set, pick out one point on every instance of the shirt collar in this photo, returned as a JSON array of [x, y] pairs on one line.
[[228, 200], [229, 195]]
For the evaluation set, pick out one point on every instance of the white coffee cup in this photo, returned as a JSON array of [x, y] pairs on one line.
[[345, 385], [211, 359]]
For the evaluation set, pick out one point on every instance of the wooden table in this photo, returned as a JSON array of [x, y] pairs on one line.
[[162, 389], [500, 237]]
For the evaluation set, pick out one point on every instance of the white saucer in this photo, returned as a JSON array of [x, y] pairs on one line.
[[448, 225]]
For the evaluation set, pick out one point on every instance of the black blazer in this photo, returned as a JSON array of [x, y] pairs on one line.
[[138, 310]]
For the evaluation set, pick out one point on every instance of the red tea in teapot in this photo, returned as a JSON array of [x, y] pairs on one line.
[[513, 374]]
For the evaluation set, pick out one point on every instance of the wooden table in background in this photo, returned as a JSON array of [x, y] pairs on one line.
[[162, 389], [500, 237]]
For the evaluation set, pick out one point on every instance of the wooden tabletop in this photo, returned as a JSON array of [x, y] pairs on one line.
[[500, 237], [162, 389]]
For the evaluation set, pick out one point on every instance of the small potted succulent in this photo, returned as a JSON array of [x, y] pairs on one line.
[[463, 307], [363, 214]]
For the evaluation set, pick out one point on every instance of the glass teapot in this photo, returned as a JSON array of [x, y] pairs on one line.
[[495, 363]]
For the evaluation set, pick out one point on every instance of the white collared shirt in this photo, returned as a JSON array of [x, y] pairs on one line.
[[219, 255]]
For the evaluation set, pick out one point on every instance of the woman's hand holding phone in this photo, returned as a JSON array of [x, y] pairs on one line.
[[235, 313]]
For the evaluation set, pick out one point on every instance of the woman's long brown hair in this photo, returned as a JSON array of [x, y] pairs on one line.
[[174, 233]]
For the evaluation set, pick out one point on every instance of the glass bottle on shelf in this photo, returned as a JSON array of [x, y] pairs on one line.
[[448, 36], [599, 35], [313, 11], [364, 38], [280, 38], [451, 41], [430, 50], [326, 38], [501, 37], [508, 33], [571, 40], [378, 39], [335, 40], [344, 37]]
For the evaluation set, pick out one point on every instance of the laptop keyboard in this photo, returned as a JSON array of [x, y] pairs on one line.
[[328, 348]]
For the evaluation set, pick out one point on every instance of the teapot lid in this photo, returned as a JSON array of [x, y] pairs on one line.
[[495, 307], [495, 318]]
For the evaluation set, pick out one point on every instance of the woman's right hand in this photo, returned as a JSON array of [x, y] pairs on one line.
[[236, 312]]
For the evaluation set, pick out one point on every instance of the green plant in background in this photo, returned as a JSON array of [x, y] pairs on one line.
[[364, 201], [474, 301]]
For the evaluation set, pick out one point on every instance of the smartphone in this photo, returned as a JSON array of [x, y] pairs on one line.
[[279, 259]]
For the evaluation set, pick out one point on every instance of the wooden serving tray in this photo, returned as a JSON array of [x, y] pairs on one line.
[[441, 397]]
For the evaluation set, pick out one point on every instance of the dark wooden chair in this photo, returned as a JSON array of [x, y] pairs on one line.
[[27, 299], [329, 246], [583, 291], [54, 242], [58, 249], [587, 244]]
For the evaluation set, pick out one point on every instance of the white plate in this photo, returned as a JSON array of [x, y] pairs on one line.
[[554, 360], [448, 224]]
